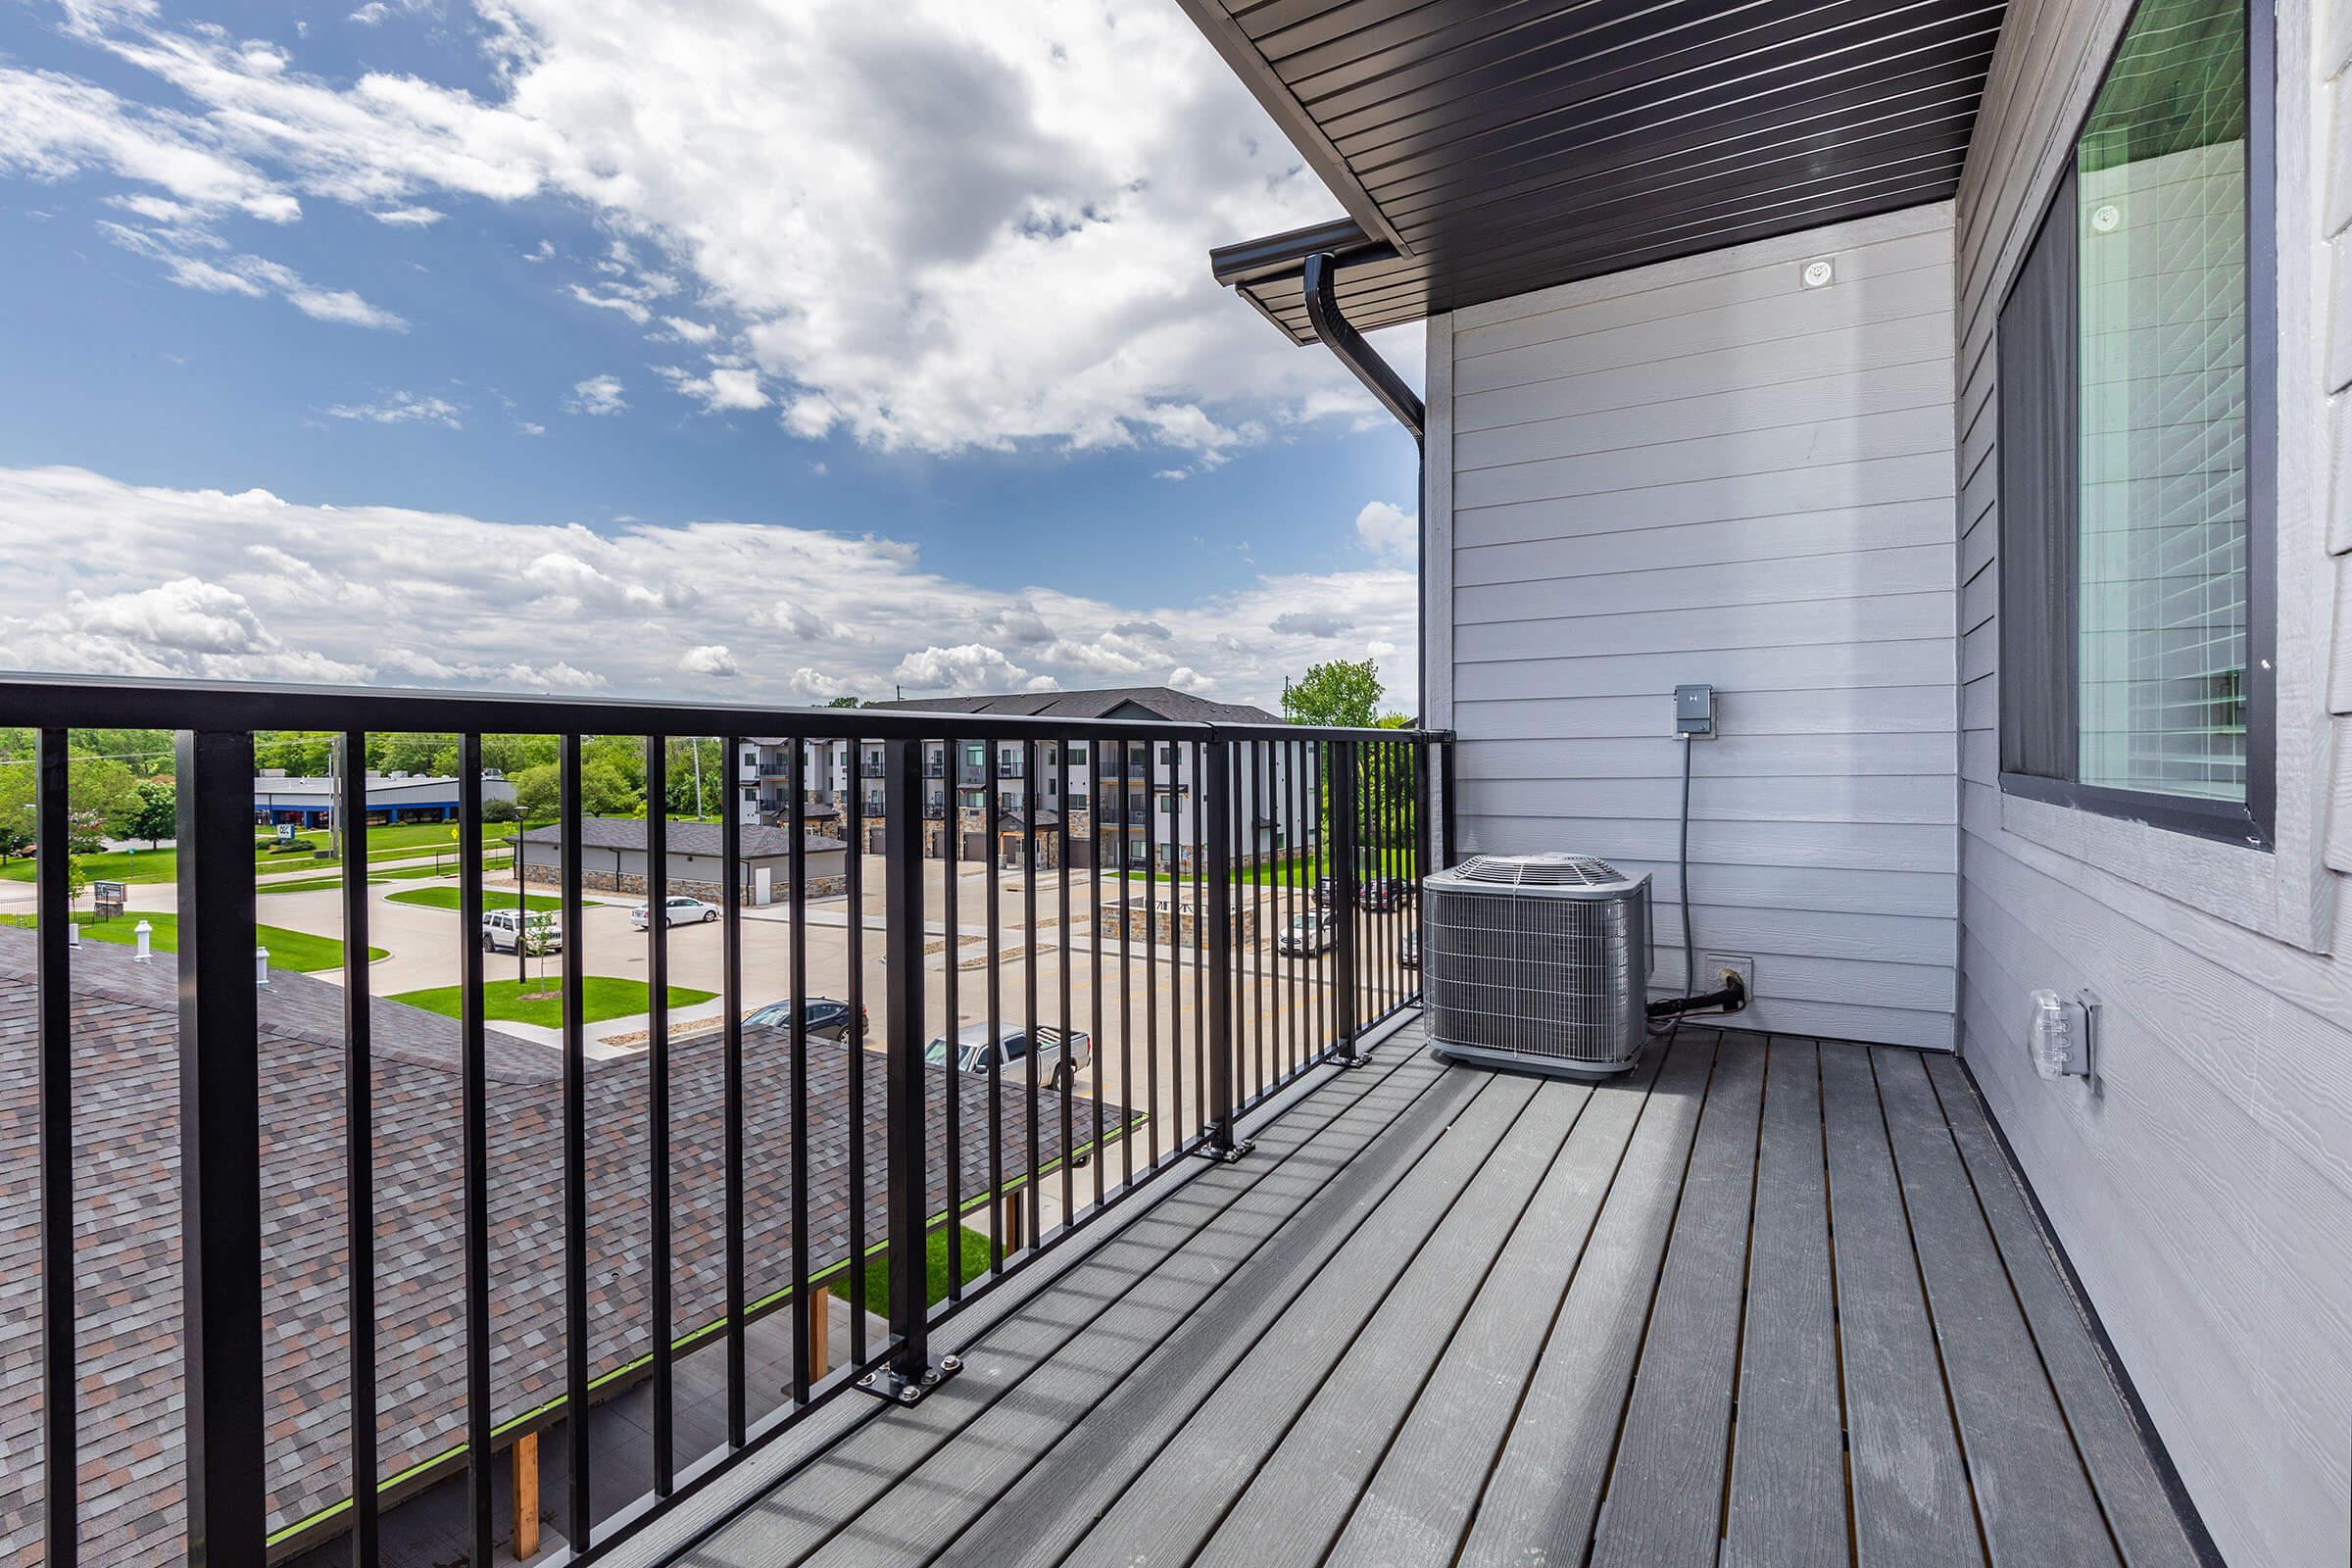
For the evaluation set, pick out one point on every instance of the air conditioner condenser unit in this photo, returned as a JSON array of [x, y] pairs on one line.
[[1537, 962]]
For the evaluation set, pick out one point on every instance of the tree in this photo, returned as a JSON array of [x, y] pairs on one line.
[[841, 702], [1338, 693], [512, 754], [301, 753], [682, 754], [411, 753], [100, 794], [604, 791], [15, 840], [537, 791], [154, 813], [500, 812]]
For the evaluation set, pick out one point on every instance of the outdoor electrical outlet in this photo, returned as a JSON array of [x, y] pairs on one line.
[[1695, 711], [1713, 966]]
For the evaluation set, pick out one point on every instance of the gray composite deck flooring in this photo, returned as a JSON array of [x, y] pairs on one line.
[[1759, 1302]]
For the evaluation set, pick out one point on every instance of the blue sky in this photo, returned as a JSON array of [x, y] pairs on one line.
[[794, 348]]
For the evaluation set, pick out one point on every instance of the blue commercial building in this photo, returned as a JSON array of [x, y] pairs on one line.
[[391, 797]]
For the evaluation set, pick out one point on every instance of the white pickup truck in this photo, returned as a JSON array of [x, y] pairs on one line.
[[1059, 1058]]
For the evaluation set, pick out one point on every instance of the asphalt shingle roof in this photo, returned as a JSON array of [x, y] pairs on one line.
[[1152, 701], [126, 1235]]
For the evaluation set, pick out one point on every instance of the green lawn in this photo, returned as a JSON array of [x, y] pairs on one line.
[[297, 951], [309, 884], [1301, 871], [419, 872], [447, 899], [877, 1268], [505, 1001], [110, 865]]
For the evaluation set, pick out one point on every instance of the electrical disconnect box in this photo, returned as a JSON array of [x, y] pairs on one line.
[[1695, 711]]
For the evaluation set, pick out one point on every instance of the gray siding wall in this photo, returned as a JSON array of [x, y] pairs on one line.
[[1704, 472], [2204, 1192]]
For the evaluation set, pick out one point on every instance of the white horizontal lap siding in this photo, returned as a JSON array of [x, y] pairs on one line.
[[1704, 472], [2205, 1193]]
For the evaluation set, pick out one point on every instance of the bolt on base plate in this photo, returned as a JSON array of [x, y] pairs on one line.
[[1206, 1149], [888, 1384], [1359, 1060]]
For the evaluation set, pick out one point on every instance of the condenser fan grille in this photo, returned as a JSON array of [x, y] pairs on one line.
[[1541, 871]]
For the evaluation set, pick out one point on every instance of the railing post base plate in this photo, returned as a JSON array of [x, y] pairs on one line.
[[1356, 1060], [893, 1387], [1230, 1154]]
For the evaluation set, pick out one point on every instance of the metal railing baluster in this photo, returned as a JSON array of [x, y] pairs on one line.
[[474, 1092], [1151, 969], [1068, 1072], [579, 1515], [995, 1015], [909, 1374], [951, 856], [1166, 751], [894, 806], [806, 1326], [52, 916], [220, 1152], [359, 1147], [1343, 897], [1221, 1143], [1197, 759], [1033, 1203], [657, 1110], [731, 988], [1126, 969], [1094, 925]]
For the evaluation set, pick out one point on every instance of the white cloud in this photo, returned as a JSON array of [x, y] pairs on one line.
[[965, 668], [1390, 532], [725, 389], [113, 577], [712, 660], [403, 408], [629, 308], [992, 231], [53, 127], [690, 332], [408, 217], [192, 258], [599, 394], [377, 12], [1311, 623], [527, 427]]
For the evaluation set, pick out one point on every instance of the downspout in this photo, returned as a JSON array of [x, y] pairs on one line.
[[1319, 284]]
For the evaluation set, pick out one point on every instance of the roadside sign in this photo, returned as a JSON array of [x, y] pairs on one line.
[[285, 832], [109, 898]]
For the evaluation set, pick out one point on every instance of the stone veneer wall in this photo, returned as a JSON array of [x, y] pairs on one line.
[[819, 887]]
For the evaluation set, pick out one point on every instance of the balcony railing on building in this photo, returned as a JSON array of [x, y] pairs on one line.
[[701, 1188]]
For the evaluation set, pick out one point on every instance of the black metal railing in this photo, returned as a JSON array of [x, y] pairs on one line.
[[704, 1187]]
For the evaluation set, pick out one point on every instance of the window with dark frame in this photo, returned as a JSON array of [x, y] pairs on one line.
[[2134, 353]]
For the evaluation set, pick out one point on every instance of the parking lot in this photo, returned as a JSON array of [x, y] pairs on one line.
[[1284, 1005]]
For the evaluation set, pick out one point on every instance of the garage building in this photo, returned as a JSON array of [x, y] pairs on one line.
[[614, 860]]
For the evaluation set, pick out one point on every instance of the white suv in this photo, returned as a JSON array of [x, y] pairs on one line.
[[502, 929]]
